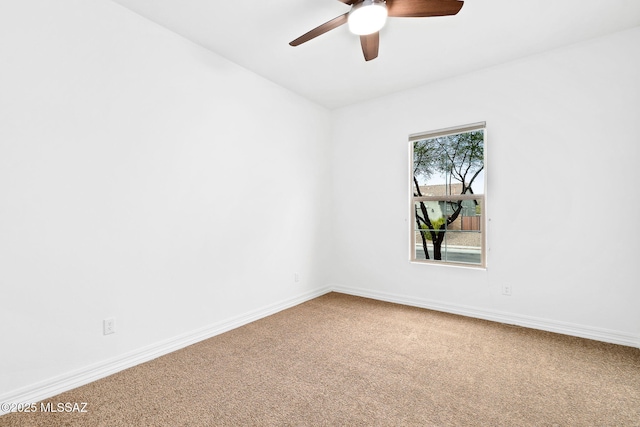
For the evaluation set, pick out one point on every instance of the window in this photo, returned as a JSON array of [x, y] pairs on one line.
[[448, 196]]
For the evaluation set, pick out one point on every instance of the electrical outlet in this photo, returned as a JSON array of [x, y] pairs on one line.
[[109, 326], [506, 290], [296, 277]]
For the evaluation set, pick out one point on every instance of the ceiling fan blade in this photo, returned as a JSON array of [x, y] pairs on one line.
[[327, 26], [370, 45], [421, 8], [348, 1]]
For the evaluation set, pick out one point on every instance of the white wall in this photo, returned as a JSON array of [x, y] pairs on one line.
[[563, 150], [145, 178]]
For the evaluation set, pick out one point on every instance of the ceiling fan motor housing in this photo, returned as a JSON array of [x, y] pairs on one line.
[[367, 16]]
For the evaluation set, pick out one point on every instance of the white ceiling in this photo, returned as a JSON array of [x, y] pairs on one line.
[[330, 70]]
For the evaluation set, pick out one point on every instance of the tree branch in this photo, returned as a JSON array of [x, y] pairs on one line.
[[415, 181], [455, 213]]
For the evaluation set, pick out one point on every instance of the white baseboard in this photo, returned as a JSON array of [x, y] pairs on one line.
[[598, 334], [54, 386]]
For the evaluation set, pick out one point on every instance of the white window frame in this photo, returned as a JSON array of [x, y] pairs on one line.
[[481, 197]]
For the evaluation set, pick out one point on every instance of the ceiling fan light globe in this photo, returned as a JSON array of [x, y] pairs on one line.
[[367, 17]]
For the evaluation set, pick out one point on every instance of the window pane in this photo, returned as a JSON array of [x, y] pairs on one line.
[[448, 231], [450, 164]]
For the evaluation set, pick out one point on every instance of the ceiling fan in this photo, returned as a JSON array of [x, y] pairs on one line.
[[367, 17]]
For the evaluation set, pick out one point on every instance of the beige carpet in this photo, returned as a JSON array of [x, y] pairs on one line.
[[343, 360]]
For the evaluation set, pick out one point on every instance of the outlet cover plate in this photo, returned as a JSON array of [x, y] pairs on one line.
[[109, 326]]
